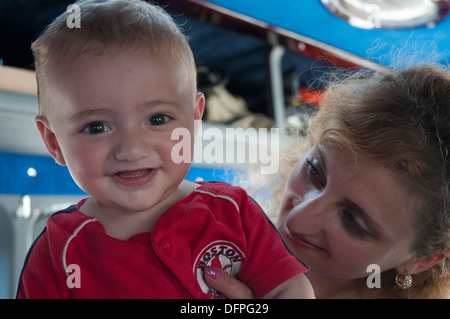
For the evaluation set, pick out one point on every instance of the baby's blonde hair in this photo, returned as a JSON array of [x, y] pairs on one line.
[[109, 27]]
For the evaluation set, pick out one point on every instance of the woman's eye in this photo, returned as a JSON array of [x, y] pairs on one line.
[[158, 119], [314, 172], [96, 128], [312, 169], [353, 225]]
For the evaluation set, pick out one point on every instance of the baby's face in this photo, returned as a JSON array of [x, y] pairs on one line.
[[111, 119]]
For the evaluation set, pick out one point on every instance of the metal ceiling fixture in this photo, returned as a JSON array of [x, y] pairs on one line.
[[389, 14]]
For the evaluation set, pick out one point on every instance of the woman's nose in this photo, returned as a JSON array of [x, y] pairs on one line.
[[314, 211]]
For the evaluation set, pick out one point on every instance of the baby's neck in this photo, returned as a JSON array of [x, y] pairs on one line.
[[123, 224]]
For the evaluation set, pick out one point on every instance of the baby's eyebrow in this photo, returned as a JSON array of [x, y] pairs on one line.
[[154, 103], [83, 114]]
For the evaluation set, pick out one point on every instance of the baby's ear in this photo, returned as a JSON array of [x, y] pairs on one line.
[[198, 110], [50, 140]]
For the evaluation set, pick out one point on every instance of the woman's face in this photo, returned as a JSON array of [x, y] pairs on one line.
[[340, 216]]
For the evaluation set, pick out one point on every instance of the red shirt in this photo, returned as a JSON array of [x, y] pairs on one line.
[[217, 225]]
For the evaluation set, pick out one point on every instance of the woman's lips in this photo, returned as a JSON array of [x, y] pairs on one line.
[[134, 178], [301, 241]]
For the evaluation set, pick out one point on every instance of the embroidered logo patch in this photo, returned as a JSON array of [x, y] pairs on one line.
[[220, 254]]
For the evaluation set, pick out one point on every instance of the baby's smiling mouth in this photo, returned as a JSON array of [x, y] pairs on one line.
[[134, 178], [134, 173]]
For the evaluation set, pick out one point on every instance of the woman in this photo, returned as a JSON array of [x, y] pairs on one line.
[[373, 189]]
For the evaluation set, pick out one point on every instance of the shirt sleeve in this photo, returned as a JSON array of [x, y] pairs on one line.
[[269, 262], [39, 278]]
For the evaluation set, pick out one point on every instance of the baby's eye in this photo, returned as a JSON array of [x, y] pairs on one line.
[[158, 119], [96, 128]]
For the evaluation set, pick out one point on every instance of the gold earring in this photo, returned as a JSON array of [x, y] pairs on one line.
[[403, 281]]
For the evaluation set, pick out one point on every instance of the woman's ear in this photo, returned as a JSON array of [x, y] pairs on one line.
[[50, 140], [419, 264], [198, 111]]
